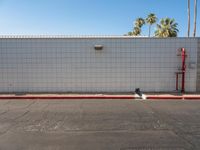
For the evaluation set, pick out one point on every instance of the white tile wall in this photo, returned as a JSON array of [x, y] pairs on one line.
[[72, 64]]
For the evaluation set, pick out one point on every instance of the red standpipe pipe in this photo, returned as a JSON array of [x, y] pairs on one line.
[[183, 54]]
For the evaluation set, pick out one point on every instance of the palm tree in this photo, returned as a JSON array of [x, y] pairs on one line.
[[130, 34], [136, 31], [139, 22], [151, 19], [167, 28], [195, 17], [188, 18]]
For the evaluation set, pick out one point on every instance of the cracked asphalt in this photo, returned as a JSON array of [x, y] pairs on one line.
[[99, 125]]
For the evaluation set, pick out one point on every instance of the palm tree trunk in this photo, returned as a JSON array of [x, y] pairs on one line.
[[195, 17], [149, 30], [188, 18]]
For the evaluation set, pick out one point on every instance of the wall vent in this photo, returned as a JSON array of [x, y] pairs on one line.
[[98, 47]]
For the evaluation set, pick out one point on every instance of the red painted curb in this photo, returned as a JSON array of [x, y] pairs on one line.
[[173, 97], [164, 97], [192, 98], [65, 97]]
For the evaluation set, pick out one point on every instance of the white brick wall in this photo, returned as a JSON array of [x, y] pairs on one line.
[[72, 64]]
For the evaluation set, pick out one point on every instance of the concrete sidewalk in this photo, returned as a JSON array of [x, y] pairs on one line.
[[173, 96]]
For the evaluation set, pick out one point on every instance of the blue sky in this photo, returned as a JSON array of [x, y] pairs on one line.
[[86, 17]]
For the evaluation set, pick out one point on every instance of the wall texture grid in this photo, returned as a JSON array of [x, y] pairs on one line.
[[71, 64]]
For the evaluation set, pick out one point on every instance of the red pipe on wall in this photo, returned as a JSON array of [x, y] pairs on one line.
[[183, 70], [183, 54]]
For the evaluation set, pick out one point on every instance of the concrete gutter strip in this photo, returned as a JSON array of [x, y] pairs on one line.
[[65, 97]]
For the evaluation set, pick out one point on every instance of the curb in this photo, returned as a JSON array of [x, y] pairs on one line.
[[160, 97], [114, 97], [67, 97]]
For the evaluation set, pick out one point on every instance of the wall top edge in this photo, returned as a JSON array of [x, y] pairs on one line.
[[83, 37]]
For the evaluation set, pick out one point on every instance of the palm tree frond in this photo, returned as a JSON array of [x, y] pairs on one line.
[[167, 28]]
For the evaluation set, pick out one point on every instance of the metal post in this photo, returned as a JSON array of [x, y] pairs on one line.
[[176, 81]]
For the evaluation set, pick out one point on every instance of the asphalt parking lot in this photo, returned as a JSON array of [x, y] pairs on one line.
[[99, 125]]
